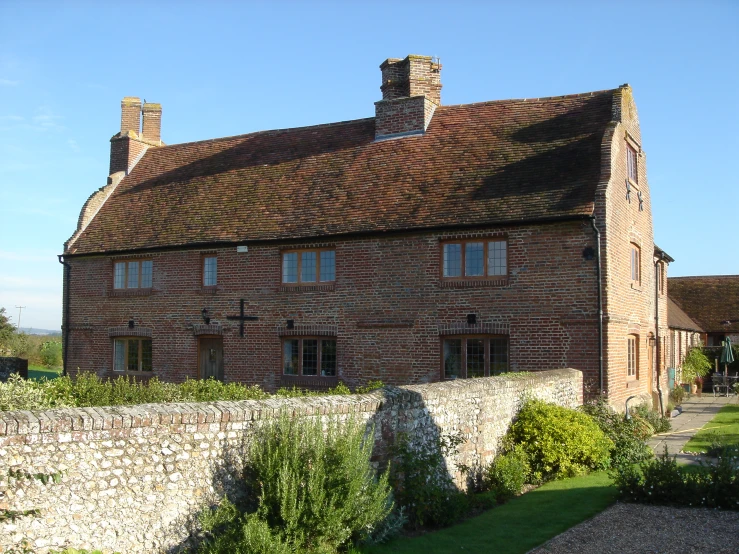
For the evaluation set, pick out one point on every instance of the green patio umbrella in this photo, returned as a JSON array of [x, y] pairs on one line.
[[727, 355]]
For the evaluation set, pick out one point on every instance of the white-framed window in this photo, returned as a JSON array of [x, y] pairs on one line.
[[474, 259], [210, 270], [133, 274], [132, 354], [632, 356], [635, 264]]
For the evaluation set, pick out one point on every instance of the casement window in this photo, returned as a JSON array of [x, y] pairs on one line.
[[635, 264], [309, 266], [474, 259], [210, 270], [631, 164], [632, 357], [660, 278], [132, 354], [474, 356], [672, 349], [309, 356], [133, 274]]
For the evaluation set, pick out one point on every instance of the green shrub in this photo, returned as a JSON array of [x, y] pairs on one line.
[[369, 387], [628, 435], [659, 423], [677, 395], [315, 486], [422, 483], [228, 531], [507, 474], [559, 442], [51, 353], [662, 481]]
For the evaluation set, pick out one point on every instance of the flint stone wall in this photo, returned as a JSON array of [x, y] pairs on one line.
[[8, 366], [133, 478]]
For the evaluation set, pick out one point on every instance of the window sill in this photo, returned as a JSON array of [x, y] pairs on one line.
[[632, 383], [308, 288], [473, 283], [636, 287], [313, 382], [132, 292], [209, 290], [142, 374]]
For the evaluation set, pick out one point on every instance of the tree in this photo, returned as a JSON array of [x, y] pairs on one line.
[[7, 330]]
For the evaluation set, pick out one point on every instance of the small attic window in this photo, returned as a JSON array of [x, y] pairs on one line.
[[631, 164]]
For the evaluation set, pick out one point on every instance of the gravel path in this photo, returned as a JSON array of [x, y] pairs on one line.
[[627, 528]]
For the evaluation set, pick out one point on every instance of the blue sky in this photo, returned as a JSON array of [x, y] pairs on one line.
[[228, 68]]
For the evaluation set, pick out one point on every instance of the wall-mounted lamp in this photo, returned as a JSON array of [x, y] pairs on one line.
[[652, 341], [471, 319], [206, 316], [131, 323], [291, 324], [588, 253]]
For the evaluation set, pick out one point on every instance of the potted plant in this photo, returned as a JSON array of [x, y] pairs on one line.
[[695, 366]]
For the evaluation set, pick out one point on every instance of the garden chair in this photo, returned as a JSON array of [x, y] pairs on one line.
[[720, 382]]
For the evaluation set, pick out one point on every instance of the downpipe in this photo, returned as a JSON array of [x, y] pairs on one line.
[[65, 350], [628, 413], [600, 306], [658, 344]]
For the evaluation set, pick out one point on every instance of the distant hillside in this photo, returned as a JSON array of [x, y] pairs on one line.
[[32, 331]]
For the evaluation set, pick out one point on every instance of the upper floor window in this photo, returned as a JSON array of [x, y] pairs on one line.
[[132, 354], [631, 164], [309, 266], [210, 271], [632, 356], [309, 356], [133, 274], [474, 259], [660, 278], [474, 356], [635, 264]]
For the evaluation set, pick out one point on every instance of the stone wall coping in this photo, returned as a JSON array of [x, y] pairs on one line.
[[84, 424]]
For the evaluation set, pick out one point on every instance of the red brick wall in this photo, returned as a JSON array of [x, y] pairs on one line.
[[628, 309], [387, 308]]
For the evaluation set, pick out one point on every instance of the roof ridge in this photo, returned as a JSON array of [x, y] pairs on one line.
[[704, 277], [267, 131], [540, 98]]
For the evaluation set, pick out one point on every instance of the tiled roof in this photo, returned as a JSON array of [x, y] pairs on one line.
[[710, 301], [477, 164], [678, 319]]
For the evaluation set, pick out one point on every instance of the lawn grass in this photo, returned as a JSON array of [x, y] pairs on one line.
[[37, 372], [724, 428], [519, 525]]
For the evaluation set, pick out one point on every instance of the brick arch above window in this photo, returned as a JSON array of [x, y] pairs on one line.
[[209, 329], [126, 331], [462, 328], [307, 329]]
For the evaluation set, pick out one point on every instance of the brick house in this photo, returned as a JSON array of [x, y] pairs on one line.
[[427, 242]]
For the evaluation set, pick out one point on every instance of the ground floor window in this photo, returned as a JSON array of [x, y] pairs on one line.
[[309, 356], [132, 354], [632, 356], [474, 356]]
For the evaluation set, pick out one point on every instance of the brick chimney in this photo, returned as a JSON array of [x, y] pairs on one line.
[[411, 91], [152, 129], [127, 146]]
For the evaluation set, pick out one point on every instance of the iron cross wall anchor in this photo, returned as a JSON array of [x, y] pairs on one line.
[[241, 318]]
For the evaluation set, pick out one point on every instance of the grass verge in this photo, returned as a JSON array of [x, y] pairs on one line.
[[37, 372], [724, 428], [519, 525]]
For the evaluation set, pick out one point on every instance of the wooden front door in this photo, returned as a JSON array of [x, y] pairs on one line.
[[211, 358]]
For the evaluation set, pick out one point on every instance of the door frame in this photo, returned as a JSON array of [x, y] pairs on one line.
[[199, 371]]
